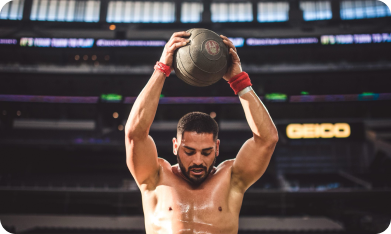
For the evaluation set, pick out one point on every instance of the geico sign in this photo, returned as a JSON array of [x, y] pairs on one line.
[[324, 130]]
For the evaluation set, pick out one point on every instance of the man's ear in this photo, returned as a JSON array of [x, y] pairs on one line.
[[217, 147], [175, 146]]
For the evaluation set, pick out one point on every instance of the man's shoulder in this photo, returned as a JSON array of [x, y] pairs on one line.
[[164, 163], [169, 170], [226, 165]]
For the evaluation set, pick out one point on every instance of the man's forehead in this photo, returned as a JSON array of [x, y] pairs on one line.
[[197, 140], [194, 136]]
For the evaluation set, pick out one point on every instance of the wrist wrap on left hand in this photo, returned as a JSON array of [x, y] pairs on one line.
[[239, 82]]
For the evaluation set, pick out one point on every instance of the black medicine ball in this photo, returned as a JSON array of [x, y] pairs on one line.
[[204, 61]]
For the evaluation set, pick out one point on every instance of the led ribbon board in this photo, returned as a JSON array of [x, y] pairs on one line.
[[130, 43], [281, 41], [57, 42], [8, 41], [356, 39], [315, 130], [341, 39]]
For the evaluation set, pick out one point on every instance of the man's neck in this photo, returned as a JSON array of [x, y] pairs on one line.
[[177, 171]]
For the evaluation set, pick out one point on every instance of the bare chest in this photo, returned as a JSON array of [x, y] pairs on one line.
[[207, 208], [189, 203]]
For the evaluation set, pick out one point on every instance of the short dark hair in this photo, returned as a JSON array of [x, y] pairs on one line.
[[198, 122]]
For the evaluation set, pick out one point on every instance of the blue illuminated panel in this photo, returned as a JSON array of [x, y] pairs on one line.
[[65, 10], [356, 39], [12, 10], [363, 9], [281, 41], [231, 12], [191, 12], [273, 11], [130, 43], [319, 10], [57, 42], [140, 12]]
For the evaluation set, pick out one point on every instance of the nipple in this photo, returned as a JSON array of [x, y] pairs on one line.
[[220, 209]]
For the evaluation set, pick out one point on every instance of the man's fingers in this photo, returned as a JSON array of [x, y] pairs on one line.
[[235, 56], [180, 34], [176, 40], [225, 38], [232, 49], [175, 46], [229, 44]]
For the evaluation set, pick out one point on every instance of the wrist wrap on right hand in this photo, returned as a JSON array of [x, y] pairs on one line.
[[164, 68]]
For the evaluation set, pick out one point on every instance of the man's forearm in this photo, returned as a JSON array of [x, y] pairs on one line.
[[144, 108], [258, 118]]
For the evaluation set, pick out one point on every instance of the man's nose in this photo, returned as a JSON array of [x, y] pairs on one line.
[[198, 159]]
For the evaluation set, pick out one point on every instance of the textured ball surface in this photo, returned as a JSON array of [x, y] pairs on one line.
[[204, 61]]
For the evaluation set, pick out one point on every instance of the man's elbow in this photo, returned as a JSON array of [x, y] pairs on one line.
[[129, 129], [132, 132], [270, 139], [274, 137]]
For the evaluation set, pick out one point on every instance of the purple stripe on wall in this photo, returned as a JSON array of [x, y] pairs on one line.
[[48, 99]]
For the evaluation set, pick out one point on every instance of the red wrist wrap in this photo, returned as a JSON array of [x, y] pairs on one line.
[[239, 82], [163, 67]]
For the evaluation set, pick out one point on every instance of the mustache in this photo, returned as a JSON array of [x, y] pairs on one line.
[[197, 167]]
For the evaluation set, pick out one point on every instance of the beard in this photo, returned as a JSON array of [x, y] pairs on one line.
[[196, 180]]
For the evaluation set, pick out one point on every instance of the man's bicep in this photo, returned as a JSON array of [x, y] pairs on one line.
[[251, 163], [142, 160]]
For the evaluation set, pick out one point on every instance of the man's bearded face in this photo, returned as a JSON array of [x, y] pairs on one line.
[[196, 179], [196, 155]]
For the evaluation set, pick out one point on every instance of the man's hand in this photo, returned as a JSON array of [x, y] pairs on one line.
[[176, 41], [235, 67]]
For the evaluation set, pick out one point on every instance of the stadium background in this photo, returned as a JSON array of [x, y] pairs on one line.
[[70, 71]]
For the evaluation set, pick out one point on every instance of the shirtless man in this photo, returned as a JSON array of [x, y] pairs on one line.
[[193, 196]]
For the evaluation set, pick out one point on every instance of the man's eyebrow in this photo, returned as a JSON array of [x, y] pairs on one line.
[[187, 147]]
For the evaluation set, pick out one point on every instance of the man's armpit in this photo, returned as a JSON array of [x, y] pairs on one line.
[[151, 182]]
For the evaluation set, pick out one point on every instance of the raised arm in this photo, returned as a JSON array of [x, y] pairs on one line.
[[141, 153], [254, 156]]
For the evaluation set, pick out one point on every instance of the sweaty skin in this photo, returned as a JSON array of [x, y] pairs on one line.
[[193, 196], [176, 205]]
